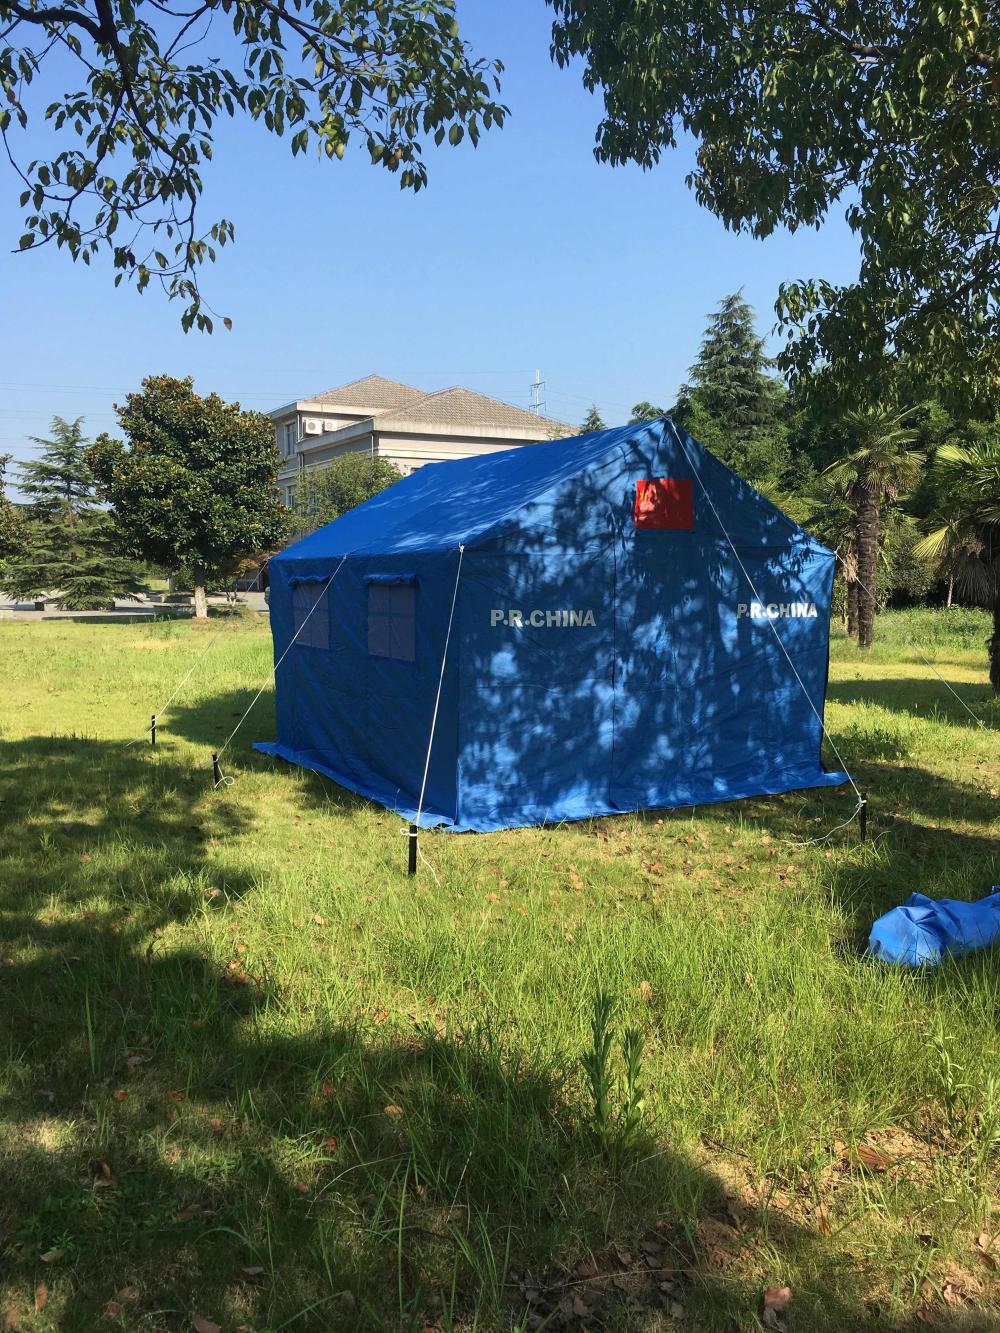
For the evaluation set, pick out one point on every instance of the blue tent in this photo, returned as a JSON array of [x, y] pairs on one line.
[[628, 625]]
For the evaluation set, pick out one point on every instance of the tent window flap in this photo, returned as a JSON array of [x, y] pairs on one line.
[[392, 621], [311, 615]]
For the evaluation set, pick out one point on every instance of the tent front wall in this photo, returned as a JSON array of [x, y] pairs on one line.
[[636, 675], [708, 706], [536, 711]]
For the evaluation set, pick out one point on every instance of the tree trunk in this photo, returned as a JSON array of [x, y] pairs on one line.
[[867, 544], [171, 583], [951, 589], [852, 609], [993, 644], [200, 599]]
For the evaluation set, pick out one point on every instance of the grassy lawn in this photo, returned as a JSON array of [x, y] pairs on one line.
[[253, 1077]]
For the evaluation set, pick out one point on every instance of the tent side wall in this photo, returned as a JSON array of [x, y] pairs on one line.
[[355, 693]]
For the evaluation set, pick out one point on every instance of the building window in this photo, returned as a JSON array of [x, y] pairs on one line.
[[392, 621], [291, 437], [311, 615]]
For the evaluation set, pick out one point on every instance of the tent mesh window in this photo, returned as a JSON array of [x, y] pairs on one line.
[[312, 627], [392, 621]]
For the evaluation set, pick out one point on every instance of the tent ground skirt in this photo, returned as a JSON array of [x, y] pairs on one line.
[[572, 810]]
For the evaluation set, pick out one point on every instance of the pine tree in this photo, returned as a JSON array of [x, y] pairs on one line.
[[11, 522], [70, 544], [732, 405], [592, 421]]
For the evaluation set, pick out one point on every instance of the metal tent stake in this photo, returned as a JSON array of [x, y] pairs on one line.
[[863, 817], [411, 864], [216, 771], [152, 731]]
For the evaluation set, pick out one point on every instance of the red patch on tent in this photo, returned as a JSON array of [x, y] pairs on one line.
[[664, 503]]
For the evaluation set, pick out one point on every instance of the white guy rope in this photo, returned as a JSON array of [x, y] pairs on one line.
[[274, 670], [746, 575], [978, 720], [434, 718]]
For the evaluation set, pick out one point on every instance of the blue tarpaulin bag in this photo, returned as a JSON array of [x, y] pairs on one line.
[[924, 929]]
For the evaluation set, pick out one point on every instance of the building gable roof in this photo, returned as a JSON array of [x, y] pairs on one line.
[[463, 407], [373, 393], [394, 403]]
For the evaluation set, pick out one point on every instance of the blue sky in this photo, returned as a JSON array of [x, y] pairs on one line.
[[522, 253]]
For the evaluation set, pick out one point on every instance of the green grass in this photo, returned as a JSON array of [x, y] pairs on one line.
[[253, 1074]]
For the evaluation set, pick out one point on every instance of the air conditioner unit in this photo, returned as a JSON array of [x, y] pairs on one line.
[[313, 427], [329, 426]]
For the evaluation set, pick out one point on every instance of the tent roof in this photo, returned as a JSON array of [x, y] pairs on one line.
[[443, 505]]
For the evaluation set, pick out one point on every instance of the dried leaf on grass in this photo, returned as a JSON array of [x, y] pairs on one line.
[[870, 1158]]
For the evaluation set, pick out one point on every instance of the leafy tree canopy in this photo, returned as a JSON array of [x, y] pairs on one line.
[[324, 493], [195, 484], [886, 109], [118, 160], [645, 411]]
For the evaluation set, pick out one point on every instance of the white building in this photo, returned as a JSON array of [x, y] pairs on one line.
[[404, 425]]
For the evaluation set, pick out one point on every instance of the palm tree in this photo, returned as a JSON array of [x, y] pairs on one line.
[[969, 475], [953, 546], [878, 467], [829, 516]]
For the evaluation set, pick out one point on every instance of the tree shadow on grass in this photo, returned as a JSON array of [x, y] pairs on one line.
[[105, 849], [340, 1181], [180, 1138], [918, 697]]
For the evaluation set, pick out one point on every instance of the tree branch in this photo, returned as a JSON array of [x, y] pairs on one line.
[[76, 17]]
